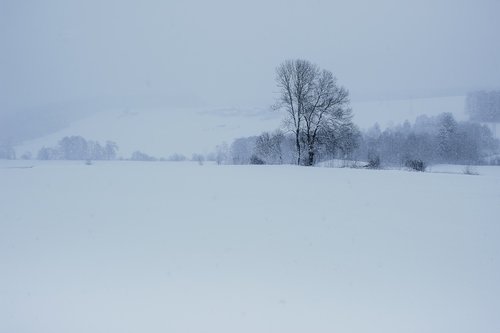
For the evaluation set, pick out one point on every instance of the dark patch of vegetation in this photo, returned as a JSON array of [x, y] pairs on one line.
[[417, 165]]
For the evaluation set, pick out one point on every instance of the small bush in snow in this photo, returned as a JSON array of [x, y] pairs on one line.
[[468, 170], [417, 165], [373, 162], [256, 160]]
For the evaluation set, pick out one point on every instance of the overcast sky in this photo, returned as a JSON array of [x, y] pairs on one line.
[[224, 52]]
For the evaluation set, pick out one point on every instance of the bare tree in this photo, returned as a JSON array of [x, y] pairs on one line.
[[295, 78], [313, 102], [221, 153], [110, 150], [7, 151], [268, 147], [242, 149]]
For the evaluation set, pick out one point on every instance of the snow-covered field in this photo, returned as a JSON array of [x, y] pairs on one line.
[[179, 247], [162, 132]]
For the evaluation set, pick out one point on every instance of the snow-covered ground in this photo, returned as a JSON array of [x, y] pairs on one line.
[[179, 247], [162, 132]]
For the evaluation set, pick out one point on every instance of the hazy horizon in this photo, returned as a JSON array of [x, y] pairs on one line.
[[224, 53], [62, 60]]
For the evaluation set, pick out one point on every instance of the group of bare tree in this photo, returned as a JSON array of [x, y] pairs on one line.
[[317, 123], [318, 126], [78, 148], [7, 151], [316, 107], [438, 139]]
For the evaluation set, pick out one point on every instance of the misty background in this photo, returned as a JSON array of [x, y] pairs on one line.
[[62, 60], [147, 183]]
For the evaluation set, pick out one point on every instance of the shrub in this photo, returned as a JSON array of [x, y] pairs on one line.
[[254, 159], [468, 170], [417, 165], [373, 162]]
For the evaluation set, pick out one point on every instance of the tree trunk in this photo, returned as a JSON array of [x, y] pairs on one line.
[[310, 148], [310, 162], [297, 142]]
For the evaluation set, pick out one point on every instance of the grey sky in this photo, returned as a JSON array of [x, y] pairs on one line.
[[224, 52]]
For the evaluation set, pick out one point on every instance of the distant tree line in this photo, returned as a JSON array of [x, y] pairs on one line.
[[280, 148], [140, 156], [78, 148], [430, 140], [319, 127], [439, 139]]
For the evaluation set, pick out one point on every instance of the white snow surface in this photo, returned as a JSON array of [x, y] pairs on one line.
[[163, 132], [179, 247]]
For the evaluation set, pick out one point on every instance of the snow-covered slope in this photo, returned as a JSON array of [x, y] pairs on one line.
[[397, 111], [162, 132], [178, 247]]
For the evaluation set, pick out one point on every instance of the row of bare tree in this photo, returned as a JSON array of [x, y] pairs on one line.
[[317, 109]]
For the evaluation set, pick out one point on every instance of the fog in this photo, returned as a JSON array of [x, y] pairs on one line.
[[223, 53], [147, 185]]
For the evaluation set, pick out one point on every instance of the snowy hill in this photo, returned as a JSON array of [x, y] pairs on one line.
[[397, 111], [162, 132]]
